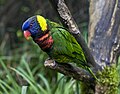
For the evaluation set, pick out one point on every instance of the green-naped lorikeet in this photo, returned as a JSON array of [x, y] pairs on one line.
[[55, 40]]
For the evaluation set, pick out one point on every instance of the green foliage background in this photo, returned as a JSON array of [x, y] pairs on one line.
[[21, 62]]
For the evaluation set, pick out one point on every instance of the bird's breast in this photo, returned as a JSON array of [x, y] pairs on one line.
[[45, 42]]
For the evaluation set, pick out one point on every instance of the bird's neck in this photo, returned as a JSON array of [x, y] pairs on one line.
[[45, 41]]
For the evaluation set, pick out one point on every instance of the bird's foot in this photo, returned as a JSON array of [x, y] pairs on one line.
[[49, 63]]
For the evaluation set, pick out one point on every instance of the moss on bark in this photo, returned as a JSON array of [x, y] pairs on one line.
[[108, 81]]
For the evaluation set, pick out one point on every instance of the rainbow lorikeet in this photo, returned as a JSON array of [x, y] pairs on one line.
[[55, 40]]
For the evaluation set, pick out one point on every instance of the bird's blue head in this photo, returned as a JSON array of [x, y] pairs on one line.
[[34, 25]]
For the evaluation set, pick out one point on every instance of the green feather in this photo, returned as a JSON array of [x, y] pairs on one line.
[[65, 47]]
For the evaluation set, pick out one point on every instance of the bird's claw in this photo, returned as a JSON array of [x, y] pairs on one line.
[[49, 63]]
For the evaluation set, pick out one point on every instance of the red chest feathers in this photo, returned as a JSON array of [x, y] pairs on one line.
[[45, 42]]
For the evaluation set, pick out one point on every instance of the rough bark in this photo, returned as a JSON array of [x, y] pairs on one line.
[[104, 38], [103, 30]]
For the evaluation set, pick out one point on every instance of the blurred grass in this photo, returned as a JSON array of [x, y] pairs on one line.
[[9, 84], [22, 72]]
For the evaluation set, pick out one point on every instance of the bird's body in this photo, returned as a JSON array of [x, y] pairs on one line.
[[57, 42], [65, 48]]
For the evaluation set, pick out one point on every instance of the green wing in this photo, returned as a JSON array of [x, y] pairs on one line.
[[65, 47]]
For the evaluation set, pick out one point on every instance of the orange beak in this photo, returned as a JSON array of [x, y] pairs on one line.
[[27, 35]]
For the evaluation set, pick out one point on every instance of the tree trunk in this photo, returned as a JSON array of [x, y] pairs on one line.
[[104, 42]]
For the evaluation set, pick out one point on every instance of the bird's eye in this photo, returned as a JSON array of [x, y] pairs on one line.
[[31, 25]]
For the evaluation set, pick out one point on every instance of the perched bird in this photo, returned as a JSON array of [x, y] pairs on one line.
[[55, 40]]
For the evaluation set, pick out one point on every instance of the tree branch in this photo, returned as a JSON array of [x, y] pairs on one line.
[[70, 70], [68, 21]]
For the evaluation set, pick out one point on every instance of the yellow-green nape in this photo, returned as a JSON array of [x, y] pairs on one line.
[[42, 21]]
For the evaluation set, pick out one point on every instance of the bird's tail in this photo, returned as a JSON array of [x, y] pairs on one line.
[[90, 71]]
